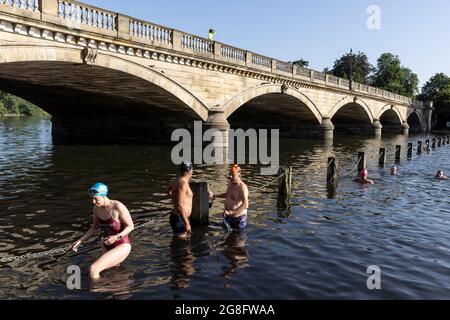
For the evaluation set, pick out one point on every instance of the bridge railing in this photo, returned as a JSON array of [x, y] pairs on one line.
[[87, 14], [32, 5], [78, 16]]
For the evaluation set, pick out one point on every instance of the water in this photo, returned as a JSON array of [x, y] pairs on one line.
[[315, 247]]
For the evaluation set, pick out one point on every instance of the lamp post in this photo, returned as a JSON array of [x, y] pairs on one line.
[[351, 70]]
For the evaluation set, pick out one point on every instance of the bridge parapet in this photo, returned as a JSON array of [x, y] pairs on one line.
[[120, 33]]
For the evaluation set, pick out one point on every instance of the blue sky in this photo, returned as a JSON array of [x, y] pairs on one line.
[[319, 31]]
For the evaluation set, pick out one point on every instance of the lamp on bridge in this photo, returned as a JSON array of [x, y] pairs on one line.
[[350, 77]]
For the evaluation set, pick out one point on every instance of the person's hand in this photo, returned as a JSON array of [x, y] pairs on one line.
[[211, 194], [188, 229], [75, 246], [109, 241]]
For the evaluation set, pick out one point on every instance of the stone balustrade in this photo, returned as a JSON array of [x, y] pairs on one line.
[[82, 17], [86, 14], [233, 53], [32, 5], [150, 31]]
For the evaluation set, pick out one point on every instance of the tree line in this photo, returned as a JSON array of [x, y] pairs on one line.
[[12, 105], [389, 74]]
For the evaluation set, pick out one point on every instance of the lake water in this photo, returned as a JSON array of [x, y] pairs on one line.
[[316, 247]]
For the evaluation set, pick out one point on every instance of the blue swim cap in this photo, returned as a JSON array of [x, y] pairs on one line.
[[185, 167], [98, 190]]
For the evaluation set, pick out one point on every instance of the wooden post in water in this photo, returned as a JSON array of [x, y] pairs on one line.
[[419, 147], [398, 153], [444, 141], [361, 161], [285, 184], [200, 203], [332, 170], [433, 143], [382, 160], [410, 150], [439, 142], [427, 144]]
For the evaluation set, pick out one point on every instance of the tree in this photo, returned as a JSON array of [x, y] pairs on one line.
[[2, 109], [390, 75], [360, 66], [434, 86], [301, 63], [437, 89]]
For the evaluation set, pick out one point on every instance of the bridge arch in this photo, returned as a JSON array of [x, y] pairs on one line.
[[415, 121], [24, 55], [393, 113], [351, 102], [243, 98]]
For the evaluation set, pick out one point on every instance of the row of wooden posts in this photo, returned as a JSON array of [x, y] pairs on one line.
[[201, 205], [332, 168]]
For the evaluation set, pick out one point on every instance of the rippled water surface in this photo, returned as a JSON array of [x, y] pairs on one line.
[[317, 246]]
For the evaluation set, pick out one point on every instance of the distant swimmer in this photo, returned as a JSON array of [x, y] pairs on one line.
[[363, 177], [181, 195], [114, 219], [440, 175], [394, 171], [236, 200]]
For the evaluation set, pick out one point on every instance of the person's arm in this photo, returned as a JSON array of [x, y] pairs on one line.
[[169, 190], [87, 235], [222, 195], [125, 218], [181, 209], [244, 205]]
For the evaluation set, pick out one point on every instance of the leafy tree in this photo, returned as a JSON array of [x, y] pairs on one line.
[[390, 75], [437, 89], [301, 63], [14, 105], [359, 63]]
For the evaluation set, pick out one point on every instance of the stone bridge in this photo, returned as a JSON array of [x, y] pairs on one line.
[[107, 77]]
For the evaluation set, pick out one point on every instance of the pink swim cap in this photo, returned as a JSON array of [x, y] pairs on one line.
[[364, 173]]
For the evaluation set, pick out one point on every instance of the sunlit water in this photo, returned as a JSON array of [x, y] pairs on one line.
[[316, 247]]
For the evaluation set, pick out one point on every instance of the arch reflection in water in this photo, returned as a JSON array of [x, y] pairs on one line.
[[235, 250]]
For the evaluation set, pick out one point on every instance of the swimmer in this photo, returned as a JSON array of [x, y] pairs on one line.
[[236, 200], [440, 175], [181, 195], [363, 177], [114, 219], [394, 171]]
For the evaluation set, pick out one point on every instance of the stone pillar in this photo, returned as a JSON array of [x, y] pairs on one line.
[[217, 50], [217, 121], [123, 27], [326, 129], [405, 128], [49, 7], [248, 58], [176, 40], [429, 107], [377, 128]]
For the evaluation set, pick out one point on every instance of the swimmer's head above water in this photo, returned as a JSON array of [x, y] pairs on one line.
[[394, 170], [235, 173], [186, 168], [98, 192], [364, 173]]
